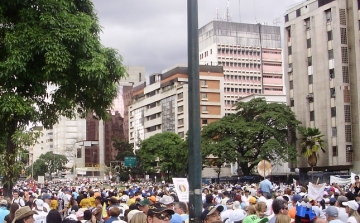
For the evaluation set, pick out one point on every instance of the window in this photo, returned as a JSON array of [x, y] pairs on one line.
[[204, 121], [307, 23], [298, 12], [343, 35], [78, 153], [347, 133], [204, 108], [310, 78], [286, 17], [312, 116], [333, 131], [181, 134], [181, 121], [139, 77], [332, 92], [180, 96], [328, 15], [203, 82], [308, 43], [344, 55], [210, 51], [329, 35], [331, 54], [289, 50], [292, 102], [334, 151], [309, 61], [332, 73], [345, 73], [291, 83], [333, 111], [181, 108], [203, 95], [347, 113]]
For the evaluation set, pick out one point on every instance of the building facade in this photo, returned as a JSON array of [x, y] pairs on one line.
[[322, 57], [251, 56], [162, 105]]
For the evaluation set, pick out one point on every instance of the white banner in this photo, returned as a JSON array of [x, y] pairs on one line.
[[41, 179], [340, 181], [182, 189], [316, 192]]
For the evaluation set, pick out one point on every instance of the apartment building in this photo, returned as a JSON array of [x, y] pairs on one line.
[[251, 56], [322, 55], [162, 105]]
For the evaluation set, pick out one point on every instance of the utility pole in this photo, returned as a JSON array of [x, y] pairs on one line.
[[195, 204]]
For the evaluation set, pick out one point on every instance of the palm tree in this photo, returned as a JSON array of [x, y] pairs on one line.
[[311, 144]]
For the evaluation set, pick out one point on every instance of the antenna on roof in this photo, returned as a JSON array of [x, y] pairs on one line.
[[276, 21]]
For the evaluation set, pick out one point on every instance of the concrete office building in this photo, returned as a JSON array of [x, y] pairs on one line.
[[322, 55], [250, 54], [162, 105]]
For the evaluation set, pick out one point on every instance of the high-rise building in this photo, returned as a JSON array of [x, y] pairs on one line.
[[162, 105], [322, 54], [250, 54]]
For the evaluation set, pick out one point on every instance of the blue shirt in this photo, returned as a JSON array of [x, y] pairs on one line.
[[3, 213], [265, 186]]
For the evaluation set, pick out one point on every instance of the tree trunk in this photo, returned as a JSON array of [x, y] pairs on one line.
[[245, 170], [11, 174], [218, 175]]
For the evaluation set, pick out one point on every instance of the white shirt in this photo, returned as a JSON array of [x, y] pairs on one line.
[[343, 216], [40, 217], [47, 207], [19, 201], [351, 220]]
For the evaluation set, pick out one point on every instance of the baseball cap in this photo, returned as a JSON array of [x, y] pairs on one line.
[[237, 215], [236, 205], [152, 198], [39, 204], [351, 204], [144, 202], [252, 200], [332, 201], [211, 209], [254, 219], [158, 208], [332, 211], [3, 202], [296, 198]]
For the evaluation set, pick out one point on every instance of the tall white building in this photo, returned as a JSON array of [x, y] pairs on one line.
[[322, 55]]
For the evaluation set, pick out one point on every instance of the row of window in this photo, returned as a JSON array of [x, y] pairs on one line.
[[245, 65], [239, 52], [243, 90], [241, 77]]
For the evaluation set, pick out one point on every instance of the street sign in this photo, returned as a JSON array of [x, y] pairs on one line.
[[130, 161]]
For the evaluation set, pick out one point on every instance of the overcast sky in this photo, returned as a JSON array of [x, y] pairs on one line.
[[153, 33]]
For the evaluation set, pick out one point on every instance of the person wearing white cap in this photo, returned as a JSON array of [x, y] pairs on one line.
[[40, 217], [351, 208]]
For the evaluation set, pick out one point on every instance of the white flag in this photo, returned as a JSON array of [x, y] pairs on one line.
[[316, 192]]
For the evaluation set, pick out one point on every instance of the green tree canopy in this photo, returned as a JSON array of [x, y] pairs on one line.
[[52, 64], [167, 150], [259, 130]]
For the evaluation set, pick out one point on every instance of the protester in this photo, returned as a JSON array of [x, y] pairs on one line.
[[24, 215], [10, 217], [158, 213], [3, 210], [351, 210], [53, 217]]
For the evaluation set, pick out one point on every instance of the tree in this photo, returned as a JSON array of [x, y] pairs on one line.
[[259, 130], [311, 144], [125, 149], [54, 162], [52, 64], [39, 168], [166, 150]]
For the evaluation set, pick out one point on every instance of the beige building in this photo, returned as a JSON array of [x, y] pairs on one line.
[[322, 57], [162, 105]]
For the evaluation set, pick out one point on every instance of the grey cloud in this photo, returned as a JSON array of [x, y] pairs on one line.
[[153, 33]]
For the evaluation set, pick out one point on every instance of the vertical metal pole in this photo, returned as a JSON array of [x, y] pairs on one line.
[[32, 166], [195, 206]]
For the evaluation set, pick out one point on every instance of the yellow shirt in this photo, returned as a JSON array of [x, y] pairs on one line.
[[54, 205], [85, 203], [92, 201], [131, 201]]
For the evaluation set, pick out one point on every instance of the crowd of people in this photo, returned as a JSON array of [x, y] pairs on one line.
[[159, 203]]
